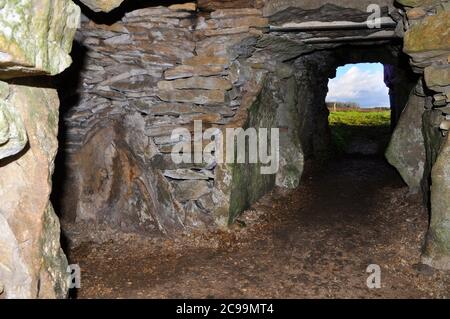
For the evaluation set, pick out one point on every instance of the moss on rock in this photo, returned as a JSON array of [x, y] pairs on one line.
[[36, 36]]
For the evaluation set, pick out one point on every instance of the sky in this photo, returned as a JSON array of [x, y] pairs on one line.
[[361, 83]]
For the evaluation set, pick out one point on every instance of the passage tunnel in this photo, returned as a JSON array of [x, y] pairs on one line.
[[171, 149]]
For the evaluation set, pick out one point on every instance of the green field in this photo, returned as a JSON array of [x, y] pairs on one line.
[[369, 124]]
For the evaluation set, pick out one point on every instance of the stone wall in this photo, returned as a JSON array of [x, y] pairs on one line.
[[161, 68], [166, 67], [427, 42]]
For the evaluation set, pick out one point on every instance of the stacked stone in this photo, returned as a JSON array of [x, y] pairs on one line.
[[427, 41], [213, 81], [172, 68], [430, 54], [123, 64]]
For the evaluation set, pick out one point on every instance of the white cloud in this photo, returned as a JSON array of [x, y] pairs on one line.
[[365, 87]]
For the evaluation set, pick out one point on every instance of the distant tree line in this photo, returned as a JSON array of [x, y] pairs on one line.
[[348, 106], [343, 105]]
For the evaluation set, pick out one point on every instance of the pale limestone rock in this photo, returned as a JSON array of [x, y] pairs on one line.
[[445, 125], [36, 36], [416, 13], [13, 137], [102, 5], [32, 264], [189, 6]]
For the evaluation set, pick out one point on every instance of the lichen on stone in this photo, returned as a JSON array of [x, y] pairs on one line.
[[13, 137], [36, 36]]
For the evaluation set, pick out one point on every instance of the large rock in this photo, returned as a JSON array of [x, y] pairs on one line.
[[429, 39], [291, 154], [32, 264], [102, 5], [406, 150], [437, 78], [112, 181], [437, 251], [36, 36], [13, 136]]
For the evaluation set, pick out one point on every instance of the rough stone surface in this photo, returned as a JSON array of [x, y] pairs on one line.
[[13, 137], [273, 6], [168, 66], [437, 252], [161, 68], [248, 184], [36, 36], [406, 151], [436, 43], [32, 264], [178, 69], [416, 3], [437, 78], [117, 185], [193, 96], [291, 152], [102, 5], [186, 71], [427, 41], [205, 83]]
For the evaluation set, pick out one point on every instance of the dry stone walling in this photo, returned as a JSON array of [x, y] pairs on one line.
[[161, 68], [427, 41]]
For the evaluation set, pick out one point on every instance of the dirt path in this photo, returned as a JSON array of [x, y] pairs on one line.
[[316, 241]]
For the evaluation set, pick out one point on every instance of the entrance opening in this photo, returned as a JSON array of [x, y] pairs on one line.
[[359, 106]]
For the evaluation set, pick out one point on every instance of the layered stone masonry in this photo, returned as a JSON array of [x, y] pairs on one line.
[[427, 42], [176, 65], [172, 66]]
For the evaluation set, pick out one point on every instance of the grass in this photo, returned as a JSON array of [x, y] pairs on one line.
[[369, 124]]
